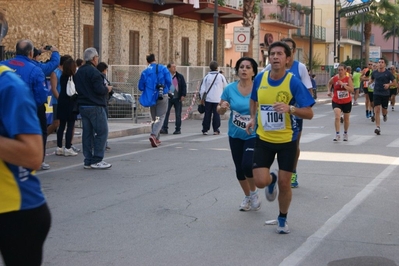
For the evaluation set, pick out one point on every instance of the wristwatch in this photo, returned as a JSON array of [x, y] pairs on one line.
[[292, 109]]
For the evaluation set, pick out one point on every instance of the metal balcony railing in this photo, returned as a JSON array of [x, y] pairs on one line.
[[354, 35], [281, 14], [319, 32]]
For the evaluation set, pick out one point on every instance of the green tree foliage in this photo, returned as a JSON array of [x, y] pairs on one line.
[[380, 14]]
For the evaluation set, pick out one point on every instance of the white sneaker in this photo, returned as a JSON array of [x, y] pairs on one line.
[[345, 137], [101, 165], [255, 201], [70, 152], [59, 151], [245, 204], [45, 166], [75, 149]]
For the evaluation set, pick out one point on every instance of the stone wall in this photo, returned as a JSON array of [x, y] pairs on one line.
[[61, 22]]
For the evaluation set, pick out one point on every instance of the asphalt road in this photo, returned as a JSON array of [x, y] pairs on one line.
[[178, 204]]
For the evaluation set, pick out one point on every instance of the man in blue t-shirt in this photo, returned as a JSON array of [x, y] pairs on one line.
[[24, 215]]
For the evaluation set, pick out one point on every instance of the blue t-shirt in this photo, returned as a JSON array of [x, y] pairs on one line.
[[240, 114], [58, 73], [19, 187]]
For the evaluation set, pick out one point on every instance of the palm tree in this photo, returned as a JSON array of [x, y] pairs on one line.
[[380, 14], [250, 9]]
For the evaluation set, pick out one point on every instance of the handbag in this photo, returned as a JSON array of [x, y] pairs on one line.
[[201, 107], [70, 89]]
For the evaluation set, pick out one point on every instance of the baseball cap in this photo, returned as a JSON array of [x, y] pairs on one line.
[[358, 69]]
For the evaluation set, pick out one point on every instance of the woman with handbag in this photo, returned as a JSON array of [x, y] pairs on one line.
[[211, 89], [236, 97], [66, 113]]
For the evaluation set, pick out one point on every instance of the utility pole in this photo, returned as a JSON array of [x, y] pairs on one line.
[[215, 31], [98, 7], [311, 36]]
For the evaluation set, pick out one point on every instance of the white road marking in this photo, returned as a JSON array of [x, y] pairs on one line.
[[315, 240]]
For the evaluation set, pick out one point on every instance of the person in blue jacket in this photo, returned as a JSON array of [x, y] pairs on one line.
[[25, 218], [49, 66], [29, 71], [155, 80]]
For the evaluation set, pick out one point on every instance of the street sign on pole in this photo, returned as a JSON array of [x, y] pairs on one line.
[[242, 35]]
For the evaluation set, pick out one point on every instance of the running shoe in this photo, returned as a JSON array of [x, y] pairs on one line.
[[70, 152], [75, 149], [372, 118], [337, 137], [282, 226], [355, 104], [153, 141], [59, 151], [101, 165], [271, 190], [245, 204], [367, 114], [345, 137], [385, 118], [377, 131], [255, 201], [294, 180], [393, 108], [45, 166]]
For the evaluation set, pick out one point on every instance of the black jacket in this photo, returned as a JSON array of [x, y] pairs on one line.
[[181, 83], [90, 86]]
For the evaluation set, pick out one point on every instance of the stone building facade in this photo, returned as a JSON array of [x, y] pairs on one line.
[[62, 23]]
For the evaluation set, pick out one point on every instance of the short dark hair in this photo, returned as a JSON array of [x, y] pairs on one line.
[[36, 52], [213, 65], [253, 64], [170, 65], [79, 62], [150, 58], [24, 47], [102, 66], [289, 40], [287, 49], [69, 67]]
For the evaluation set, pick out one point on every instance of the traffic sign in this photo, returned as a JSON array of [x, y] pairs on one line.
[[243, 48], [242, 35]]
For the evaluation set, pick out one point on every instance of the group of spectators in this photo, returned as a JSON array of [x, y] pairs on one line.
[[24, 215]]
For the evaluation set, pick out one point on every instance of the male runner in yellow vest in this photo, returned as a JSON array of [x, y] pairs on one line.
[[277, 98]]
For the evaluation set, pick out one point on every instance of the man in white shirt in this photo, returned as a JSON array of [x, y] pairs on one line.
[[211, 89]]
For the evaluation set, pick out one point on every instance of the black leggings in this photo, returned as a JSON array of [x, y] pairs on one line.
[[22, 235], [68, 135], [242, 152]]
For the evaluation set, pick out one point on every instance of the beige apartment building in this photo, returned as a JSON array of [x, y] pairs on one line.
[[177, 31]]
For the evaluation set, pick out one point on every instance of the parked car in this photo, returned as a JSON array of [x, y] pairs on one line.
[[121, 105]]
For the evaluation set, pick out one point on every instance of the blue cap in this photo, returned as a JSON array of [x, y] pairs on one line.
[[358, 69]]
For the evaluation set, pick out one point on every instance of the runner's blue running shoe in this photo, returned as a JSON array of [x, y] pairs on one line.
[[271, 190], [294, 180], [282, 226]]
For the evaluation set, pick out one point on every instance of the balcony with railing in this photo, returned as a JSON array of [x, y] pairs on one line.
[[319, 32], [282, 16], [353, 36]]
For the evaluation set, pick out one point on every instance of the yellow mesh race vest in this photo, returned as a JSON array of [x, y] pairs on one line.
[[272, 126]]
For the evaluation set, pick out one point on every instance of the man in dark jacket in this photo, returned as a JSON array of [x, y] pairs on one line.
[[178, 91], [92, 101]]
